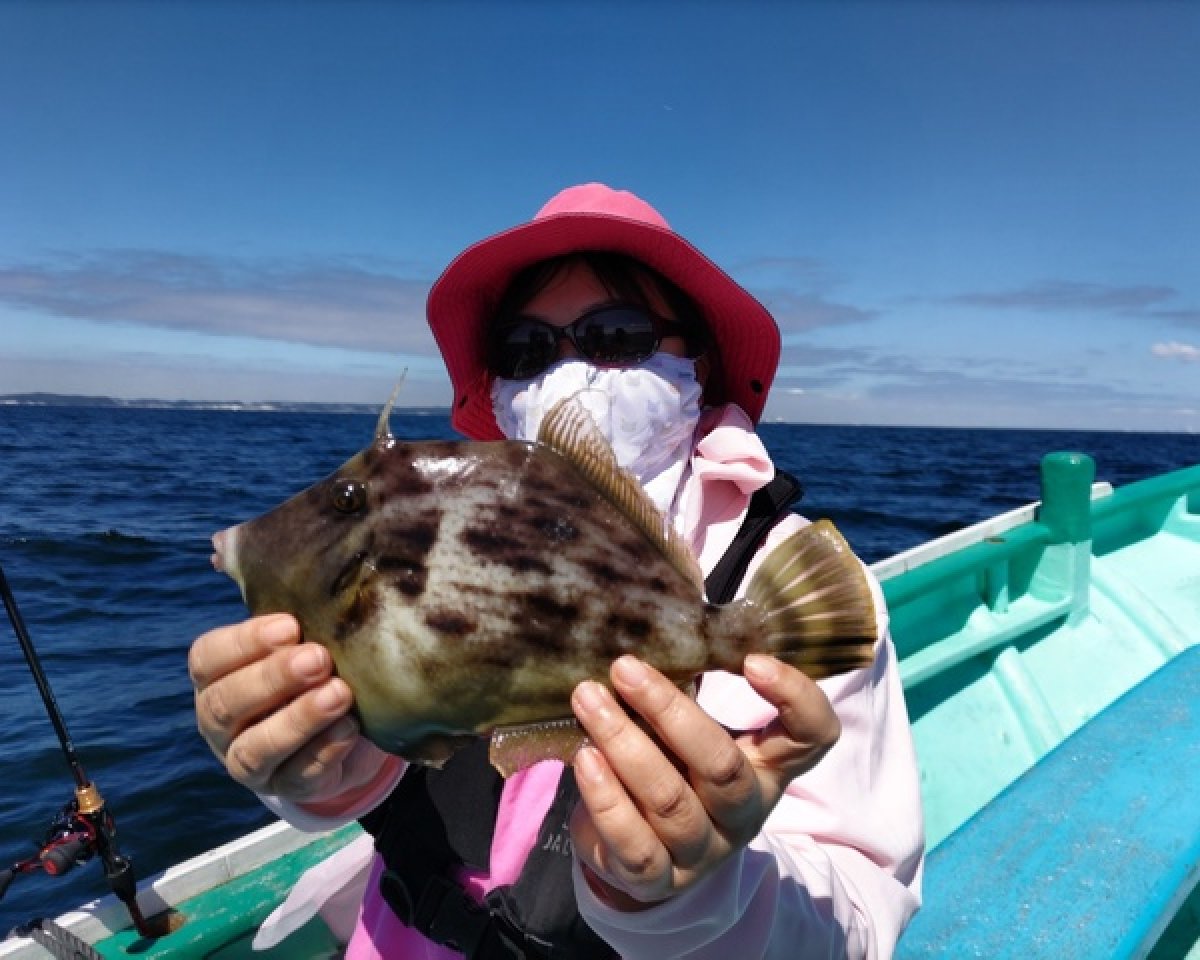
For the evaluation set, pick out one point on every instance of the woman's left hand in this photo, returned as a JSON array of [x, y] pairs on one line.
[[663, 804]]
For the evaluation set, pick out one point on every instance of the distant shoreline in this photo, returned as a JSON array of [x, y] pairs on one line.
[[247, 406]]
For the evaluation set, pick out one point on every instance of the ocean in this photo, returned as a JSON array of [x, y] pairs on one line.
[[105, 519]]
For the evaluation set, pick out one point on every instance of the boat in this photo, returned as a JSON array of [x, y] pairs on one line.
[[1051, 664]]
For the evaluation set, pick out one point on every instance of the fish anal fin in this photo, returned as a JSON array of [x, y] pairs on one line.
[[569, 430], [516, 747]]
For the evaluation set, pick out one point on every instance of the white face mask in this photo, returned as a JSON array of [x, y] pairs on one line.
[[648, 413]]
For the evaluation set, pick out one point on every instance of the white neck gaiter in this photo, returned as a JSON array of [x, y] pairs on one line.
[[648, 413]]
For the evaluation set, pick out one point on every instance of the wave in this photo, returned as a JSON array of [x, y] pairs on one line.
[[110, 536]]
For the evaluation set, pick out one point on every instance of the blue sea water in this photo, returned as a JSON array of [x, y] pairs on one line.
[[105, 519]]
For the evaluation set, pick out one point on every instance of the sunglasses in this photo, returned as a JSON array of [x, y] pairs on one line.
[[614, 335]]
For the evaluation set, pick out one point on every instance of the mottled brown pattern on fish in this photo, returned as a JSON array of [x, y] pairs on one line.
[[605, 572], [404, 575], [555, 529], [541, 484], [491, 544], [543, 607], [414, 537], [408, 544], [450, 622], [494, 582], [575, 499], [638, 628]]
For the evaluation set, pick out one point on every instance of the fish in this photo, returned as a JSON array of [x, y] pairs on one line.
[[463, 589]]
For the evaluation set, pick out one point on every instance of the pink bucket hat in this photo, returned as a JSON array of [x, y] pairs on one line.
[[593, 216]]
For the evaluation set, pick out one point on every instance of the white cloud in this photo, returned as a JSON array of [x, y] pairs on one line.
[[335, 303], [1177, 351]]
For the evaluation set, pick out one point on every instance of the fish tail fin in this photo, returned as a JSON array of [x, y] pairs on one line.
[[816, 603]]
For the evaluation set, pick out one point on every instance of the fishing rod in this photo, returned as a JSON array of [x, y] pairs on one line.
[[84, 827]]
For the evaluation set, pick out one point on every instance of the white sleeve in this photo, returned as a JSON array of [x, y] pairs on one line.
[[335, 814]]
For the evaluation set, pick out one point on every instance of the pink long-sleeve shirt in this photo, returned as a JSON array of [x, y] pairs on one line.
[[835, 870]]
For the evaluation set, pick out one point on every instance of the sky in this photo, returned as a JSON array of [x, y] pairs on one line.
[[960, 214]]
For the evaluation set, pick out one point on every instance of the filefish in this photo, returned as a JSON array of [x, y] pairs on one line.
[[464, 589]]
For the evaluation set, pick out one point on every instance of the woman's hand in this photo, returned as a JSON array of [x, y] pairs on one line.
[[274, 714], [666, 803]]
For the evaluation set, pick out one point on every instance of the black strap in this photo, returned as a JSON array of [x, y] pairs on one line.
[[436, 821], [541, 903], [456, 808], [766, 507]]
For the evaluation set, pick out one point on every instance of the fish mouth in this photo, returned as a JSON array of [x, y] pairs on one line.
[[223, 550]]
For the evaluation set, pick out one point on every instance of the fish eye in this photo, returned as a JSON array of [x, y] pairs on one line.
[[349, 496]]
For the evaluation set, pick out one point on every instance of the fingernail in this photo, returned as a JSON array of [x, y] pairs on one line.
[[763, 669], [587, 765], [309, 661], [631, 671], [591, 696], [278, 631], [331, 697]]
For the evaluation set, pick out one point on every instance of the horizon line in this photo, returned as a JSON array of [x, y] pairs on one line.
[[99, 401]]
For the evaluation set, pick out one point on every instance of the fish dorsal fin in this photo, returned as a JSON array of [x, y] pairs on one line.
[[569, 430], [383, 430]]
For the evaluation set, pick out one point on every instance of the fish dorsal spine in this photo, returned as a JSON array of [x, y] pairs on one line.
[[569, 430], [383, 430]]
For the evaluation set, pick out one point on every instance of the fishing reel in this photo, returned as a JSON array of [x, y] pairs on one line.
[[83, 829], [75, 835]]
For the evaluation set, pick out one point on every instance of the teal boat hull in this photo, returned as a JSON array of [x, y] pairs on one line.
[[1024, 653]]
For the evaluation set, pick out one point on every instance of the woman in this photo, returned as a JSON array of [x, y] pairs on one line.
[[800, 837]]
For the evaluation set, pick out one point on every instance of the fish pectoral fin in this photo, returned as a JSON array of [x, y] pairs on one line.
[[516, 747]]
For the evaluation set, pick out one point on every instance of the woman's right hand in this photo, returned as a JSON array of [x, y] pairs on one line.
[[274, 713]]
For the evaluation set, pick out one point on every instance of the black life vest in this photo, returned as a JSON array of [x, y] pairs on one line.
[[437, 821]]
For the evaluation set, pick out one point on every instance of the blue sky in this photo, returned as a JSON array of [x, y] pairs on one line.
[[982, 214]]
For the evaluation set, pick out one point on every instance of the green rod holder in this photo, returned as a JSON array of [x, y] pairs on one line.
[[1066, 509]]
